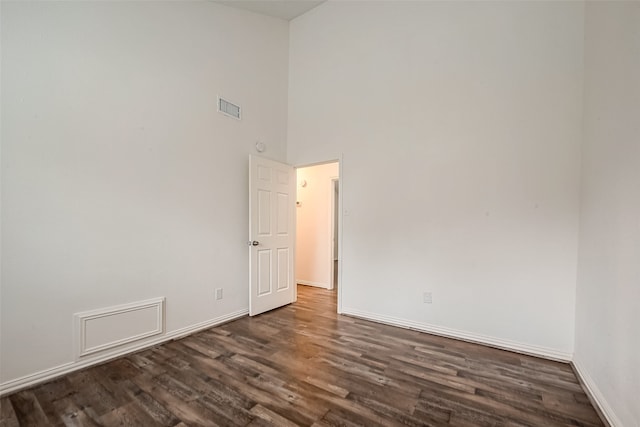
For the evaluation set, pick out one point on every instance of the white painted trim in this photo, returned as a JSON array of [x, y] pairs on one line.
[[333, 234], [595, 395], [340, 228], [51, 373], [518, 347], [81, 320], [188, 330], [310, 283]]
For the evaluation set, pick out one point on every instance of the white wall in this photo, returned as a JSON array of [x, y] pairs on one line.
[[460, 124], [313, 225], [607, 347], [120, 181]]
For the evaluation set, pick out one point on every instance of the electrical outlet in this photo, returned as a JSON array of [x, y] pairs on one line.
[[427, 298], [219, 293]]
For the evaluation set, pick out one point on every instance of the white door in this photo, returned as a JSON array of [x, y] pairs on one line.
[[272, 192]]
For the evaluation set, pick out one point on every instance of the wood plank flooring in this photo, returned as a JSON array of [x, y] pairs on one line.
[[305, 365]]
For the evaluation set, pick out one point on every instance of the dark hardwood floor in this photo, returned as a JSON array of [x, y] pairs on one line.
[[305, 365]]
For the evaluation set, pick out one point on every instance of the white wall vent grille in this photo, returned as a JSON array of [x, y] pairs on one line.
[[107, 328], [228, 108]]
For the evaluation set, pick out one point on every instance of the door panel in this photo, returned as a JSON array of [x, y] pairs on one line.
[[283, 214], [272, 231], [283, 269], [264, 213], [264, 272]]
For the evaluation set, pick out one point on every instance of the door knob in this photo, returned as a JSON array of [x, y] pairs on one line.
[[254, 242]]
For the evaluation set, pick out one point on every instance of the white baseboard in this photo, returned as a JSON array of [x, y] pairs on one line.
[[49, 374], [517, 347], [591, 389], [595, 395], [310, 283]]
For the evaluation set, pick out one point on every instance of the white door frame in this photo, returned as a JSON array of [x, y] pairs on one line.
[[340, 162], [332, 224]]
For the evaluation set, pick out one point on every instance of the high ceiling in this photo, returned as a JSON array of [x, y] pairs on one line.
[[284, 9]]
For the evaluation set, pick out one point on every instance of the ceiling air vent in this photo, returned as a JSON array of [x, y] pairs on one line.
[[228, 108]]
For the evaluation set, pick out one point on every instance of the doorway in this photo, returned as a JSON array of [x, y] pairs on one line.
[[317, 225]]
